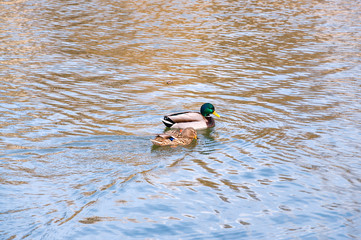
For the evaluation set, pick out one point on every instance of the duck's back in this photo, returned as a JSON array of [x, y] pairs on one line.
[[185, 119]]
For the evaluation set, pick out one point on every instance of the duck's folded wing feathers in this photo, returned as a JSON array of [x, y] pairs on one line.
[[163, 139], [185, 117]]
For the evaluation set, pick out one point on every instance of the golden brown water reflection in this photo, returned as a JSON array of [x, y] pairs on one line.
[[84, 85]]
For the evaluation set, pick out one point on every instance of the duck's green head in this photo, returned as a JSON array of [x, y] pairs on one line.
[[207, 109]]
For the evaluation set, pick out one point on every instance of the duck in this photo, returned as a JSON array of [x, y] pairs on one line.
[[196, 120], [175, 137]]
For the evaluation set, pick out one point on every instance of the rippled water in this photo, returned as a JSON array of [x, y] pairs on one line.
[[84, 85]]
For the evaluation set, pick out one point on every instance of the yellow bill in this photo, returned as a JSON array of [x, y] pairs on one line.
[[216, 114]]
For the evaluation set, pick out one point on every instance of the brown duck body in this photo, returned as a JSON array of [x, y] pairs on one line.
[[175, 137], [188, 119]]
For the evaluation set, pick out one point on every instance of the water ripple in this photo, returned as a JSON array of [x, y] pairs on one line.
[[84, 85]]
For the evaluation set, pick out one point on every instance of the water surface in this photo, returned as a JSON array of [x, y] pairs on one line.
[[84, 84]]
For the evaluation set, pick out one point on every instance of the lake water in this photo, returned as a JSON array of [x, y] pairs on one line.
[[84, 84]]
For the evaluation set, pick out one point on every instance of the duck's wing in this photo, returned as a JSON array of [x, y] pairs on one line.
[[184, 119], [164, 139], [172, 132]]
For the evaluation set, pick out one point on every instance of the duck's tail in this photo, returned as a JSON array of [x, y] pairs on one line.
[[167, 121], [155, 142]]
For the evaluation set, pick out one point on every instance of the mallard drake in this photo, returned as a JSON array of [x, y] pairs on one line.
[[175, 137], [195, 120]]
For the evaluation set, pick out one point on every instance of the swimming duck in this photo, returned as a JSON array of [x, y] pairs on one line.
[[175, 137], [195, 120]]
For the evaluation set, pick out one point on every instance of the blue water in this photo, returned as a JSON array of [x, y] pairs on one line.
[[83, 86]]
